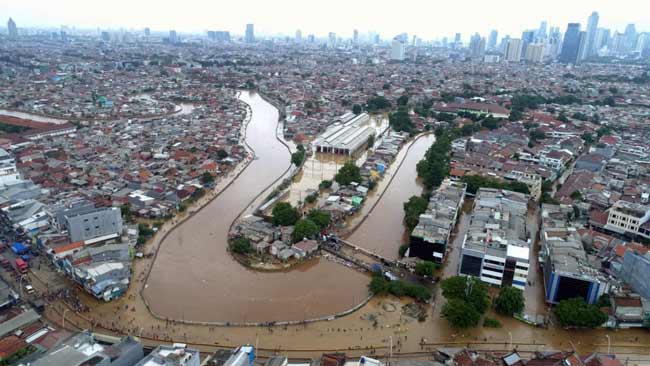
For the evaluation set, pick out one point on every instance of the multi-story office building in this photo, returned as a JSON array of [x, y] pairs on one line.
[[492, 39], [567, 271], [175, 355], [571, 44], [8, 172], [496, 248], [636, 272], [513, 50], [12, 29], [592, 29], [250, 33], [430, 237]]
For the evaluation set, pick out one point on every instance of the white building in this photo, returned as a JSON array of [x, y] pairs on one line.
[[513, 50], [496, 248], [346, 136], [627, 217], [8, 172], [535, 52], [397, 50]]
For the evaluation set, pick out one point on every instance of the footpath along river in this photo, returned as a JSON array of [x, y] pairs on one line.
[[195, 278]]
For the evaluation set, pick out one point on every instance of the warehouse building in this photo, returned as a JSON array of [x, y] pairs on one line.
[[346, 136]]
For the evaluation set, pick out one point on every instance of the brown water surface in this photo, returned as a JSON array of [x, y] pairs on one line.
[[195, 278]]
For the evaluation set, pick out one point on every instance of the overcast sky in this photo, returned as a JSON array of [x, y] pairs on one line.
[[428, 19]]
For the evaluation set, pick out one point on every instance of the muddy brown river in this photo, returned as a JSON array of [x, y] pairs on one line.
[[383, 230], [195, 278]]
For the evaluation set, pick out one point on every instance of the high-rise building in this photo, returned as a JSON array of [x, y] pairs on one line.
[[397, 49], [457, 38], [592, 28], [642, 43], [331, 40], [527, 37], [630, 37], [477, 46], [571, 44], [355, 36], [298, 36], [311, 38], [173, 37], [147, 32], [106, 36], [513, 50], [250, 33], [535, 52], [541, 32], [600, 40], [12, 29], [582, 47], [492, 40]]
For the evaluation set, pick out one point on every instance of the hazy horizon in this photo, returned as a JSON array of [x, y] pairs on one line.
[[427, 21]]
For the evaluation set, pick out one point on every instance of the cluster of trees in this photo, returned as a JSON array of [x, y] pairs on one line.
[[434, 167], [521, 102], [305, 228], [474, 182], [241, 245], [413, 208], [348, 173], [5, 127], [380, 285], [299, 156], [144, 233], [510, 301], [577, 313], [207, 178], [284, 214], [400, 120], [325, 184], [467, 300], [426, 268], [357, 109], [377, 103]]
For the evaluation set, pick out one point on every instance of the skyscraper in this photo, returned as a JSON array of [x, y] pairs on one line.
[[630, 37], [535, 52], [492, 40], [250, 33], [592, 28], [331, 40], [477, 46], [541, 32], [355, 36], [513, 50], [298, 36], [527, 37], [173, 37], [147, 32], [571, 44], [12, 29]]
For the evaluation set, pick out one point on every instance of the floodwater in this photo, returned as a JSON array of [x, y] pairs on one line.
[[383, 231], [33, 117], [195, 278]]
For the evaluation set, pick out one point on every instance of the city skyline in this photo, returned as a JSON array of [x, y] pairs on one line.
[[338, 17]]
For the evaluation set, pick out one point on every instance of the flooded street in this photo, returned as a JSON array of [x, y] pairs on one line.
[[383, 230], [195, 278]]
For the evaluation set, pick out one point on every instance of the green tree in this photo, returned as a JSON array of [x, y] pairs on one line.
[[325, 184], [403, 100], [241, 245], [378, 284], [400, 121], [356, 109], [371, 141], [207, 178], [284, 214], [222, 154], [125, 209], [491, 123], [413, 208], [460, 314], [348, 173], [510, 301], [577, 313], [297, 157], [305, 228], [425, 268], [468, 289], [320, 217], [576, 195]]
